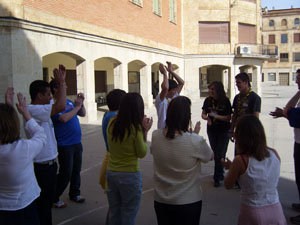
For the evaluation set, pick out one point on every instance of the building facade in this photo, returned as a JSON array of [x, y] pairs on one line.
[[281, 28], [119, 44]]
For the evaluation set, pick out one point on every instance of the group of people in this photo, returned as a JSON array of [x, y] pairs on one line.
[[30, 186]]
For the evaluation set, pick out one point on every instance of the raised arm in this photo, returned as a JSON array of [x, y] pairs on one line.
[[165, 83], [82, 111], [9, 96], [179, 80], [22, 107], [65, 117], [60, 103]]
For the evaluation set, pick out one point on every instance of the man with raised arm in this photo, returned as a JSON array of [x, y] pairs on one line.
[[45, 166], [68, 136], [169, 90]]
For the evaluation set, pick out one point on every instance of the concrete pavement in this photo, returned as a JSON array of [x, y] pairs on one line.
[[220, 206]]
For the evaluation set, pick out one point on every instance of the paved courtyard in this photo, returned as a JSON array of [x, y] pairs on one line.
[[220, 206]]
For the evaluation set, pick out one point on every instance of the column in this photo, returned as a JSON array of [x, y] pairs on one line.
[[86, 84], [146, 86]]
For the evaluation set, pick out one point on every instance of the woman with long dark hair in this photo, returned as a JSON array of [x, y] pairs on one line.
[[177, 155], [257, 170], [217, 111], [127, 141]]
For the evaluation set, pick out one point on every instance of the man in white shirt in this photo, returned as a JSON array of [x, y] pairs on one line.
[[169, 90], [45, 166]]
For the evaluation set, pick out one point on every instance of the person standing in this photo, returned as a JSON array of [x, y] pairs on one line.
[[169, 90], [127, 141], [68, 136], [292, 112], [177, 157], [246, 102], [217, 111], [256, 167], [18, 186], [45, 166]]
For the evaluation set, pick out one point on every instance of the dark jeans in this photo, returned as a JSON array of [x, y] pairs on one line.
[[297, 165], [69, 159], [218, 143], [46, 178], [187, 214], [26, 216]]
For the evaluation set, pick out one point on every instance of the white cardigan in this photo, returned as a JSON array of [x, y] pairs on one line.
[[177, 166], [18, 185]]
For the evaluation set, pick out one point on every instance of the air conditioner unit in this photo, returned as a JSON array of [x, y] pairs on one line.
[[244, 49]]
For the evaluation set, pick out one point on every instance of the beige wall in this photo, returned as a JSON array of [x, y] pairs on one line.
[[217, 11]]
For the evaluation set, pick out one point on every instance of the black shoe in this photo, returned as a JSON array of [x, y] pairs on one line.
[[296, 206], [217, 183], [295, 219]]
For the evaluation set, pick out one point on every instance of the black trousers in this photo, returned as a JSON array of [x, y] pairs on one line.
[[25, 216], [297, 165], [46, 178], [187, 214]]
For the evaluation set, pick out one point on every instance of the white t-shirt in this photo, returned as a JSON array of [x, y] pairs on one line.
[[260, 180], [161, 109], [42, 113], [18, 185], [177, 166]]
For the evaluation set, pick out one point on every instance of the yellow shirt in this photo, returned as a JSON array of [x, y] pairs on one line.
[[124, 155]]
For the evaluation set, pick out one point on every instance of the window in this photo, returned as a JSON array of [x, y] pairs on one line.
[[247, 34], [296, 22], [157, 7], [283, 38], [214, 33], [45, 74], [271, 76], [294, 76], [100, 81], [138, 2], [271, 39], [271, 23], [296, 38], [283, 22], [173, 11], [71, 82], [284, 57], [297, 57]]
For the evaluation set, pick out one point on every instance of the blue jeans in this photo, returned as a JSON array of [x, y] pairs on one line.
[[218, 143], [124, 194], [70, 160]]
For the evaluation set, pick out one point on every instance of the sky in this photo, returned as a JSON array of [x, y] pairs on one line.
[[280, 4]]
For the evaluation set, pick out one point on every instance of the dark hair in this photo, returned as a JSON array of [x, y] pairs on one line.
[[131, 114], [172, 84], [251, 138], [178, 116], [219, 89], [113, 99], [53, 84], [243, 77], [298, 71], [9, 124], [38, 86]]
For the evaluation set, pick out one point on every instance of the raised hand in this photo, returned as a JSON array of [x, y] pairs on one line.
[[60, 74], [162, 69], [169, 67], [79, 101], [22, 107], [9, 96], [81, 95]]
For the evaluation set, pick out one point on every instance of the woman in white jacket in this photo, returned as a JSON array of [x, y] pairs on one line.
[[18, 185]]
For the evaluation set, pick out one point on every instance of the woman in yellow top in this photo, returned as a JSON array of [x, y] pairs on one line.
[[127, 141]]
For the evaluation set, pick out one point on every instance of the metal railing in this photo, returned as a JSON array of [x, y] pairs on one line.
[[256, 49]]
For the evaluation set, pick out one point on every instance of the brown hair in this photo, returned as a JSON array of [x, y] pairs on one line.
[[9, 124], [251, 138]]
